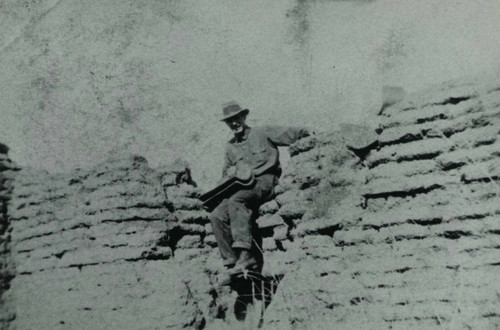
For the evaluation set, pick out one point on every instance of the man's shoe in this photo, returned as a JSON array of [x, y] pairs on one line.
[[225, 279], [245, 261]]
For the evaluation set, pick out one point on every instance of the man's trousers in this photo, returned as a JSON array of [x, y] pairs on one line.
[[233, 220]]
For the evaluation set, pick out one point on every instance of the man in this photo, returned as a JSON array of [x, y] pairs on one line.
[[255, 150]]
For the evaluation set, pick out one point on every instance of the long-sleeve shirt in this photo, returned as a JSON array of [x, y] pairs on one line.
[[258, 148]]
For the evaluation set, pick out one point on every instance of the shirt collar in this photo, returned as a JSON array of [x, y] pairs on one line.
[[244, 136]]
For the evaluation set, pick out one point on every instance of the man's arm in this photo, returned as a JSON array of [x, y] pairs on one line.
[[284, 136], [227, 164]]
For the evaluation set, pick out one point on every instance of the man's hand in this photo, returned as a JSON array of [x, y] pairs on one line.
[[231, 171], [240, 171], [243, 172]]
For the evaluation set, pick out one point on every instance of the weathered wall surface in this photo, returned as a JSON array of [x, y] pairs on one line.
[[125, 246], [403, 235], [82, 243], [81, 79], [422, 250], [7, 267]]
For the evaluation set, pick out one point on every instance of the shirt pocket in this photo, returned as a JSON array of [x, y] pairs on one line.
[[238, 157], [259, 155]]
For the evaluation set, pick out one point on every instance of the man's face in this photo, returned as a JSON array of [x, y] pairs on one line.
[[236, 123]]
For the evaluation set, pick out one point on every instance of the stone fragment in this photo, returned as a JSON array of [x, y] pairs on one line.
[[270, 220], [293, 211], [302, 145], [190, 254], [489, 171], [189, 241], [169, 180], [210, 240], [286, 183], [180, 203], [461, 157], [184, 190], [280, 233], [192, 216], [320, 226], [158, 253], [291, 196], [396, 186], [414, 150], [269, 208], [192, 229], [269, 244]]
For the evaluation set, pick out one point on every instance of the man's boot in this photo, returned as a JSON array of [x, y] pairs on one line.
[[245, 261], [225, 278]]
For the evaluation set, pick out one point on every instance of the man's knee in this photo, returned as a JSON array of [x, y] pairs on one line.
[[219, 214], [241, 198], [239, 205], [235, 200]]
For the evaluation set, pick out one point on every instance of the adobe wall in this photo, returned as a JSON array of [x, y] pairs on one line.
[[7, 266], [421, 250], [123, 246], [401, 234]]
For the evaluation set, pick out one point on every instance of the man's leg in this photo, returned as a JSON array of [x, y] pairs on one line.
[[240, 212], [243, 204], [242, 207], [219, 219], [239, 207]]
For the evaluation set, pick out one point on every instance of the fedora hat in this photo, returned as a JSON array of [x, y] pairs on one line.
[[232, 109]]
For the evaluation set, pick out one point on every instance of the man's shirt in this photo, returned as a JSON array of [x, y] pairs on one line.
[[258, 148]]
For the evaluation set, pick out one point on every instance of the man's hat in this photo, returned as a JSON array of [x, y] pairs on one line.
[[232, 109]]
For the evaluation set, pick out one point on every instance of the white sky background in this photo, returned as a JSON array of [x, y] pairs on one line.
[[92, 78]]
